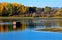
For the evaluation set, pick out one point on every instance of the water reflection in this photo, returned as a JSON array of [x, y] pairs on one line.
[[22, 24]]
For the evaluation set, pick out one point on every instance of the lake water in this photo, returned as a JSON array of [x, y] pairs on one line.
[[27, 29]]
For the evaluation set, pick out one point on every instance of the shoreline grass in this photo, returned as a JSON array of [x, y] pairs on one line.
[[50, 29], [28, 17]]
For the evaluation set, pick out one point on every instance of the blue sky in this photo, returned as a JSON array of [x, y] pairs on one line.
[[37, 3]]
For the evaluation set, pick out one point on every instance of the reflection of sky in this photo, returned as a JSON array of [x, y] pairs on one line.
[[38, 3], [1, 23], [30, 35]]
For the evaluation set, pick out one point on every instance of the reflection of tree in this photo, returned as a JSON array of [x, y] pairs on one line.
[[47, 25], [1, 28], [9, 27], [31, 23], [59, 23], [23, 26], [53, 24]]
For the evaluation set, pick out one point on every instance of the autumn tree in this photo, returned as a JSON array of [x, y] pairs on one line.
[[14, 8], [22, 9], [1, 9], [10, 9], [5, 11]]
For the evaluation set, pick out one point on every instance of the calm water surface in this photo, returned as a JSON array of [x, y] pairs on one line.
[[27, 29]]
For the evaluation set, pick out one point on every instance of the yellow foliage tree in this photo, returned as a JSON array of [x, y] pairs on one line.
[[1, 8], [22, 8]]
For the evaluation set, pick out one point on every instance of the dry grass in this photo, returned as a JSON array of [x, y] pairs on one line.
[[51, 29]]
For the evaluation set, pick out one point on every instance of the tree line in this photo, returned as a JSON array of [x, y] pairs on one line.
[[15, 9]]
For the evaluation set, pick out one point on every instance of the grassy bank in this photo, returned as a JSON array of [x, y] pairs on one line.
[[27, 17], [50, 29]]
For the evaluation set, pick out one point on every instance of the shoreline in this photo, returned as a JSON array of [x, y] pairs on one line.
[[29, 17], [50, 29]]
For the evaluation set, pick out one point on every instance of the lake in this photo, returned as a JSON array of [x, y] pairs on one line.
[[25, 29]]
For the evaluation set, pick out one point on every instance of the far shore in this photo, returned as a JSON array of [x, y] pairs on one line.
[[28, 17]]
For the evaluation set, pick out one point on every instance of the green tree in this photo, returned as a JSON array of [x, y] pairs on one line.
[[47, 10]]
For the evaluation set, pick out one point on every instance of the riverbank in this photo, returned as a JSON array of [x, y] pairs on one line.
[[28, 17], [50, 29]]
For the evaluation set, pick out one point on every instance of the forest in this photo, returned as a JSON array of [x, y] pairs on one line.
[[19, 10]]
